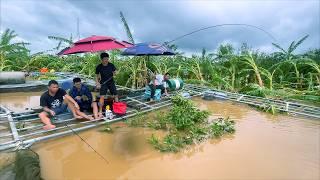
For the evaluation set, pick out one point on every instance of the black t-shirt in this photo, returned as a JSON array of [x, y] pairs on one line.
[[106, 72], [52, 101]]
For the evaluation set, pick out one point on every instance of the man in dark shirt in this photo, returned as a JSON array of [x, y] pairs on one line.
[[56, 101], [104, 79], [81, 94]]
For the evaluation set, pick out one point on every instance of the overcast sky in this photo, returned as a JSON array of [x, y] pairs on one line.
[[164, 20]]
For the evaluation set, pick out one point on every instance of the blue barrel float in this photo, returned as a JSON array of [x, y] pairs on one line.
[[175, 84]]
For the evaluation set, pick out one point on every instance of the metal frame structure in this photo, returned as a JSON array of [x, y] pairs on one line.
[[24, 136]]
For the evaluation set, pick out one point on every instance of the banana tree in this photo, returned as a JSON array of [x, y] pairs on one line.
[[6, 44], [12, 54], [288, 54], [223, 52], [88, 65], [232, 66], [135, 69], [195, 68], [62, 42], [315, 66], [269, 75], [220, 77], [250, 60], [294, 63]]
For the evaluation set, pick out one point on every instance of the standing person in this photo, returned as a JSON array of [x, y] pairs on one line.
[[104, 79], [81, 94], [159, 82], [56, 101]]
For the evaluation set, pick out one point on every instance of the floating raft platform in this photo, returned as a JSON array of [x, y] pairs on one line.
[[22, 130]]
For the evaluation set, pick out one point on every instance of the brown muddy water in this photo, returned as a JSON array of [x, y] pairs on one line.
[[263, 147]]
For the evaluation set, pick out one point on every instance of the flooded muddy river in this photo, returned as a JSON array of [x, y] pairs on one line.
[[263, 147]]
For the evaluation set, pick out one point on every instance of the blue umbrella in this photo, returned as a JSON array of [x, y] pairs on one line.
[[147, 49]]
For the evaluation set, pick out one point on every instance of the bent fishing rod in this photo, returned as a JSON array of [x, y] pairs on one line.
[[220, 25]]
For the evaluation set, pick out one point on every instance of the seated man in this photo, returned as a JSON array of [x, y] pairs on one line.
[[56, 101], [159, 82], [81, 94]]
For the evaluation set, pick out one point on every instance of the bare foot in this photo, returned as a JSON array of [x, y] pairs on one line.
[[78, 117], [48, 127], [100, 115], [91, 118]]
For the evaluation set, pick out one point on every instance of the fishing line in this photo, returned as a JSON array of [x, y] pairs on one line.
[[219, 25], [66, 124]]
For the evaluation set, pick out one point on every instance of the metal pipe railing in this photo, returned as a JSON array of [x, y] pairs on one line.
[[38, 139], [28, 139], [11, 123]]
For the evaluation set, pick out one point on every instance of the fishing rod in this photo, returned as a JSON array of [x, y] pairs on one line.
[[105, 82], [219, 25], [74, 132]]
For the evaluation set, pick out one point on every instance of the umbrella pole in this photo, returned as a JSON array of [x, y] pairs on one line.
[[146, 70]]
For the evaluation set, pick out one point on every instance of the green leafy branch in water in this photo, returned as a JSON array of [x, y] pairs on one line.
[[159, 122], [107, 128], [222, 126], [270, 109], [187, 125]]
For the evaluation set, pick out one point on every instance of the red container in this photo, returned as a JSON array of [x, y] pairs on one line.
[[119, 108]]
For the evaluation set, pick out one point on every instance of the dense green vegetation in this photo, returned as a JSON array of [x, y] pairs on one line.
[[281, 74], [184, 125]]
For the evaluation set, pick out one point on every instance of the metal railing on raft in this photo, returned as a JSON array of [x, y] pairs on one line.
[[32, 132], [26, 136], [292, 108]]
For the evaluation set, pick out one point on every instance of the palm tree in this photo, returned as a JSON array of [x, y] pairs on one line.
[[126, 27]]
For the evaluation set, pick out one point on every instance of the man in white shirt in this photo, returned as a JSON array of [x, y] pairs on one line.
[[159, 82]]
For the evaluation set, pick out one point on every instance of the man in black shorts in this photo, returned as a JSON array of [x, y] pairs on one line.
[[104, 79]]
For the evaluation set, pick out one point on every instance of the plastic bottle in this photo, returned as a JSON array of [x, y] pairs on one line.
[[108, 113]]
